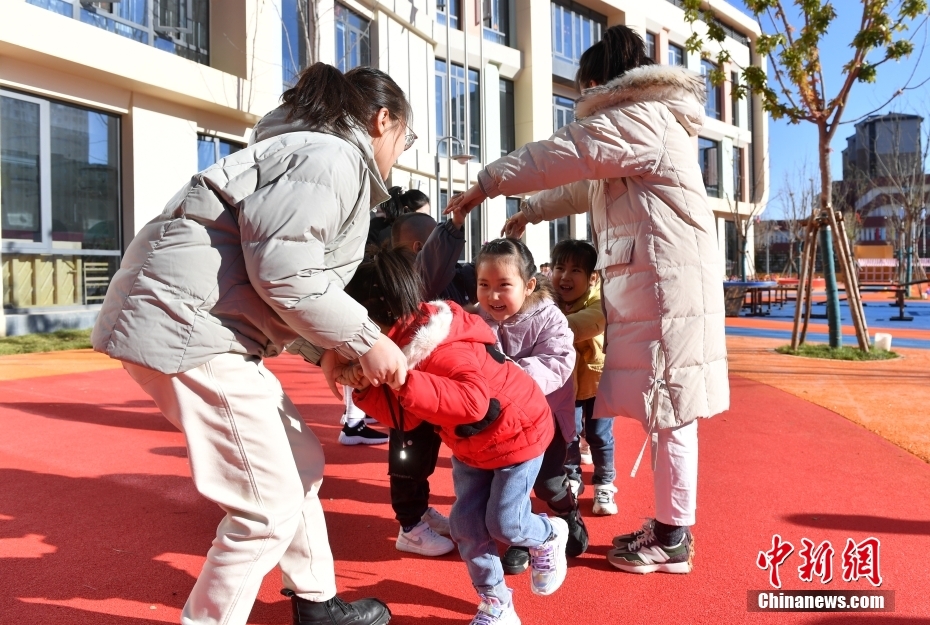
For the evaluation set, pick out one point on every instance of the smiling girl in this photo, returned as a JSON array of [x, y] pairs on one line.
[[532, 331]]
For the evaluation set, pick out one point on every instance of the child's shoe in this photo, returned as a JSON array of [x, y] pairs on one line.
[[548, 562], [491, 611], [439, 523], [585, 451], [515, 560], [604, 499], [577, 542], [647, 555], [361, 434], [422, 540]]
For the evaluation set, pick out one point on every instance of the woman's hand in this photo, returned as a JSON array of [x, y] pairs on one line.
[[464, 202], [334, 367], [384, 363], [515, 226]]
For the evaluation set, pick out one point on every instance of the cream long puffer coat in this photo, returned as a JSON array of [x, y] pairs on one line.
[[631, 159], [250, 256]]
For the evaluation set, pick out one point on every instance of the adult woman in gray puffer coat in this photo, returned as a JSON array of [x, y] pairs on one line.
[[249, 257], [630, 159]]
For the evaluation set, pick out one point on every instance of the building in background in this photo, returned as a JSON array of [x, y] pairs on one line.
[[107, 108]]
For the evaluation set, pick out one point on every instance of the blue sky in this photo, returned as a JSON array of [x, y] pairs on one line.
[[790, 145]]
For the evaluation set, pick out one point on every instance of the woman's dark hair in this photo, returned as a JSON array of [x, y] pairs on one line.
[[403, 202], [518, 254], [388, 287], [619, 50], [327, 100], [579, 252]]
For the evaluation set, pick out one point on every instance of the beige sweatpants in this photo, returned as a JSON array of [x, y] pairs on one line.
[[252, 454]]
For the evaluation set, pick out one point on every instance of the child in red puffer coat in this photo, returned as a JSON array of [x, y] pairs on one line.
[[487, 410]]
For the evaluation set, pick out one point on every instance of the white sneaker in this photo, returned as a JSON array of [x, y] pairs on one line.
[[548, 565], [604, 499], [585, 452], [492, 612], [424, 541], [437, 521]]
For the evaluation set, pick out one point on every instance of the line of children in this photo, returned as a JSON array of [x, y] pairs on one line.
[[576, 284], [492, 415]]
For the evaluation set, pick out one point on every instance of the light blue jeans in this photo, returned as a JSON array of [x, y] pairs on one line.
[[600, 436], [494, 505]]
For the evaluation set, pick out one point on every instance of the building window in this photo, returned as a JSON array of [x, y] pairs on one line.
[[676, 55], [738, 174], [563, 111], [734, 98], [709, 160], [713, 105], [295, 39], [455, 126], [181, 27], [574, 30], [508, 120], [212, 149], [475, 234], [353, 45], [651, 45], [497, 21], [452, 8], [59, 201], [513, 206], [559, 230]]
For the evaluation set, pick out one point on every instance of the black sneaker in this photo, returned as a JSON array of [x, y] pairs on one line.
[[338, 612], [516, 560], [577, 534], [361, 434]]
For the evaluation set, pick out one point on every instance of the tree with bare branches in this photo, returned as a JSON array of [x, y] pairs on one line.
[[798, 92]]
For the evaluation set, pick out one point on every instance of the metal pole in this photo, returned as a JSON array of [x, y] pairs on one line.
[[829, 274], [470, 235], [449, 101]]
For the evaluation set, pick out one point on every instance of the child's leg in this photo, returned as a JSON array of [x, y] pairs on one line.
[[552, 486], [410, 474], [509, 515], [600, 436], [573, 453], [675, 481], [470, 531]]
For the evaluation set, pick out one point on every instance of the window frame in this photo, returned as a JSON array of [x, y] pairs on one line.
[[579, 19], [500, 35], [679, 52], [714, 190], [653, 43], [566, 106], [363, 35], [46, 244], [462, 79], [151, 30], [508, 118], [708, 66], [455, 20]]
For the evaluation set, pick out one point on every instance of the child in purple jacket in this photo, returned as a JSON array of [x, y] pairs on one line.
[[533, 332]]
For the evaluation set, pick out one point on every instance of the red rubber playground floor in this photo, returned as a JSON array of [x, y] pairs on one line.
[[100, 524]]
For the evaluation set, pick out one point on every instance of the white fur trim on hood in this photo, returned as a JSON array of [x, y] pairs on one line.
[[648, 83], [429, 336]]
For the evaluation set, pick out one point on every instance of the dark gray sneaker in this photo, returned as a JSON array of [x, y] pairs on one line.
[[337, 612], [647, 555], [516, 560], [623, 540]]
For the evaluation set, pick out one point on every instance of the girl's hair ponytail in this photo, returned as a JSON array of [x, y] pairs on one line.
[[326, 100], [619, 50], [388, 286]]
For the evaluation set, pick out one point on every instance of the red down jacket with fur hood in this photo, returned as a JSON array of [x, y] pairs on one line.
[[452, 380]]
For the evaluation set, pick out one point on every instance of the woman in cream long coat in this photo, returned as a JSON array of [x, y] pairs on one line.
[[630, 158]]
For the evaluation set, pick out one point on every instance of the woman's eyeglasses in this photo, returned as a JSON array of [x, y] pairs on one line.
[[409, 138]]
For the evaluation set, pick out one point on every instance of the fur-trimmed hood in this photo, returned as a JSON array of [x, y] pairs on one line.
[[440, 321], [681, 90]]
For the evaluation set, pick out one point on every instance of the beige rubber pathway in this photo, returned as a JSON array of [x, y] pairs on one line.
[[21, 366], [890, 398]]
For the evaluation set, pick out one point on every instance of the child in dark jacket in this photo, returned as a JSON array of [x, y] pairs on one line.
[[487, 410], [530, 329]]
